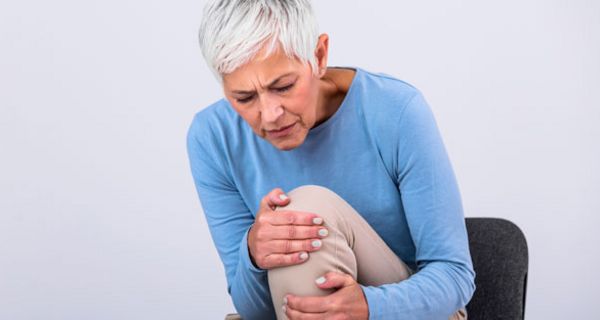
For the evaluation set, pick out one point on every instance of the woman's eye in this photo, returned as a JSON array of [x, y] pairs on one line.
[[245, 100], [285, 88]]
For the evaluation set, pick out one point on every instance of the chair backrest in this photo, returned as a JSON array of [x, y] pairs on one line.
[[500, 259]]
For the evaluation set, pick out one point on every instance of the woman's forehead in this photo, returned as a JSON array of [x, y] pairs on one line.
[[263, 72]]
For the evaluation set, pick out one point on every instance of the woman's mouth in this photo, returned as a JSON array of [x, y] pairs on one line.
[[281, 132]]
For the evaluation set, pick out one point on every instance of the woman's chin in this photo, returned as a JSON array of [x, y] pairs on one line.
[[285, 144], [289, 142]]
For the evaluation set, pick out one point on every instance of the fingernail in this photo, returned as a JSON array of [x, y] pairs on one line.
[[284, 300], [323, 232], [283, 308], [320, 280], [316, 243], [283, 197], [317, 220], [303, 256]]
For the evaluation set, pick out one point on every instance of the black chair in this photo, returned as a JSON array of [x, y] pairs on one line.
[[500, 259]]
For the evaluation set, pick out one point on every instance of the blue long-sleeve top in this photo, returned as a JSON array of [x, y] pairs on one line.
[[382, 152]]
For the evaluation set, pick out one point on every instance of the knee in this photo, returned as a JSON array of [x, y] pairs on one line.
[[316, 199], [311, 191], [337, 249]]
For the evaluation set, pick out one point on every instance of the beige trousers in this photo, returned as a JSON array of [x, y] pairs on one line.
[[351, 247]]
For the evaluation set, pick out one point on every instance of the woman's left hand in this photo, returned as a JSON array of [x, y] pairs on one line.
[[347, 302]]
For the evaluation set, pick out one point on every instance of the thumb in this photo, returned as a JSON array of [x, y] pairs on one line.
[[278, 197], [334, 280], [274, 198]]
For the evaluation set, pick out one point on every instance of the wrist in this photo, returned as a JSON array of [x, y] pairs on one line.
[[250, 235]]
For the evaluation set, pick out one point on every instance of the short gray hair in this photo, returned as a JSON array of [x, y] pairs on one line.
[[233, 31]]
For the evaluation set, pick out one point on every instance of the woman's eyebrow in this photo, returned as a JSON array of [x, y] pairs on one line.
[[272, 83]]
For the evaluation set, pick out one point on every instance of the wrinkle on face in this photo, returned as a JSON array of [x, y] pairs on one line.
[[269, 109]]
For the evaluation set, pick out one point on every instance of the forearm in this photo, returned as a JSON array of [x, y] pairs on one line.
[[249, 288], [435, 292]]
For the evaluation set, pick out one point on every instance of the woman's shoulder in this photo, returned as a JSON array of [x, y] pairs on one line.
[[215, 117], [382, 99], [392, 110], [213, 113], [386, 91]]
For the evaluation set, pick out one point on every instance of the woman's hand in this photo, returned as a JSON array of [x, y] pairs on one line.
[[347, 302], [283, 238]]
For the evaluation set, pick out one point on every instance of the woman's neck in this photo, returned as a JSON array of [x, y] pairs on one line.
[[334, 86]]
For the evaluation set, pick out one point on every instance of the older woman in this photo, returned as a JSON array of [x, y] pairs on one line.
[[327, 191]]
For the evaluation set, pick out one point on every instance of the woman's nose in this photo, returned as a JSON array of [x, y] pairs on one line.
[[271, 110]]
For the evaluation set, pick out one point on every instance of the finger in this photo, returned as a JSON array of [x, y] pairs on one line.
[[293, 314], [278, 197], [277, 260], [290, 246], [292, 232], [299, 218], [334, 280], [274, 198], [306, 304]]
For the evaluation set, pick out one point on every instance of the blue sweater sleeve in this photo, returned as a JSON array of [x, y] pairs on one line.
[[229, 220], [444, 281]]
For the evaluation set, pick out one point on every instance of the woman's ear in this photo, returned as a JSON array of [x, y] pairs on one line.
[[321, 52]]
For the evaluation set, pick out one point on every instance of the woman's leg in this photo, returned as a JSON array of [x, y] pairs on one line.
[[351, 247]]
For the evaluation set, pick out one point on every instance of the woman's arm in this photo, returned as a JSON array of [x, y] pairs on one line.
[[431, 200], [228, 219]]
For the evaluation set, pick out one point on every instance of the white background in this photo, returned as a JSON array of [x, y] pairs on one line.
[[99, 218]]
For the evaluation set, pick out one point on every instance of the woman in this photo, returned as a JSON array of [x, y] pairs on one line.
[[328, 191]]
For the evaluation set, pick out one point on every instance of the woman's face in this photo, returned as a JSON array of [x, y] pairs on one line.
[[277, 96]]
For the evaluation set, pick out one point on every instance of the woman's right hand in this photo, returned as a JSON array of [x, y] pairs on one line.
[[283, 238]]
